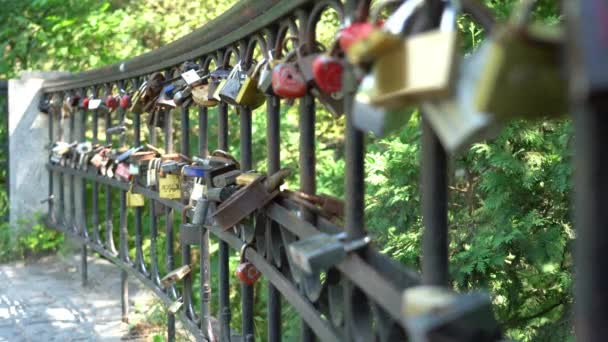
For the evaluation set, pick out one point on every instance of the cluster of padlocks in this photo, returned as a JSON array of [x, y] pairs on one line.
[[516, 72]]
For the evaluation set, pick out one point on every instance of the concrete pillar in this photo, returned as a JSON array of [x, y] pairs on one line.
[[28, 138]]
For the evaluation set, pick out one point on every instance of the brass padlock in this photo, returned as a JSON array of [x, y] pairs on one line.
[[381, 40], [521, 75], [249, 94], [202, 97], [455, 120], [421, 67]]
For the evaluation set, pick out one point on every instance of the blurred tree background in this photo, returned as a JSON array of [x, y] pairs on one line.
[[509, 210]]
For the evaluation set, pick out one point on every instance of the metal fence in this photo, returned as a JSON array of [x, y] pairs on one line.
[[360, 298]]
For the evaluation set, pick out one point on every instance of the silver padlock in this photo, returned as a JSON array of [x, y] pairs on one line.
[[322, 251], [432, 312], [375, 119]]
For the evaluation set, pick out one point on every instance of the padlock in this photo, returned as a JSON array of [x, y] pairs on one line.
[[175, 276], [321, 251], [152, 173], [421, 67], [324, 205], [433, 313], [122, 172], [169, 187], [249, 94], [355, 32], [181, 97], [246, 272], [84, 103], [265, 80], [134, 200], [521, 74], [379, 41], [376, 119], [112, 102], [215, 78], [327, 71], [125, 101], [202, 96], [249, 198], [287, 80], [455, 120], [165, 99], [232, 85], [44, 105]]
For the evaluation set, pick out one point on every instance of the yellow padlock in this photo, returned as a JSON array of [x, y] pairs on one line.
[[169, 187], [249, 94], [420, 67]]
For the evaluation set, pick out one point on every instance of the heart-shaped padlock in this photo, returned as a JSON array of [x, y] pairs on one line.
[[287, 80], [327, 71], [125, 101], [246, 271], [111, 102]]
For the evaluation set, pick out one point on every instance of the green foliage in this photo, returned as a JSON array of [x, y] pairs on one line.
[[509, 210], [23, 242]]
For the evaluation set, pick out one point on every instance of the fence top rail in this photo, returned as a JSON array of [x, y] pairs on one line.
[[243, 19]]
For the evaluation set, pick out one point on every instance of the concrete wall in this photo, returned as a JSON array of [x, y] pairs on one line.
[[28, 139]]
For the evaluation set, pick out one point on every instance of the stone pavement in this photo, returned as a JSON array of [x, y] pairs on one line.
[[44, 301]]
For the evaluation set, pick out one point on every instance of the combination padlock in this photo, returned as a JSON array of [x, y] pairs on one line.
[[246, 272]]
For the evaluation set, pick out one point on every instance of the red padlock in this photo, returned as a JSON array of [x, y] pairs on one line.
[[355, 32], [111, 102], [287, 81], [125, 101], [85, 103], [327, 71], [246, 271]]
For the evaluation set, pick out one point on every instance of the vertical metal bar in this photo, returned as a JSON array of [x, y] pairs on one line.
[[171, 290], [224, 290], [246, 164], [205, 289], [273, 141], [434, 209], [354, 154], [434, 180], [72, 224], [83, 201], [123, 232], [108, 198], [95, 199], [61, 175], [139, 253], [587, 54], [51, 118], [155, 272], [203, 127], [307, 165], [186, 249]]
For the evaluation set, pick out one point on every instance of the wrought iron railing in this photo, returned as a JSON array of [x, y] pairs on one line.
[[358, 299]]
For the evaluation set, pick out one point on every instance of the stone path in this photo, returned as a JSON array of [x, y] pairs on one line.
[[44, 301]]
